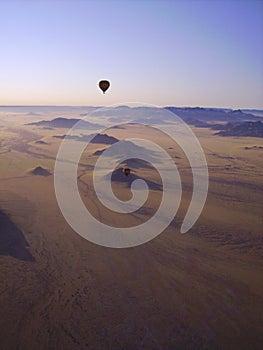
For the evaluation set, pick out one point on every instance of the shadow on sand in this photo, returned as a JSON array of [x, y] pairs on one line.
[[12, 240]]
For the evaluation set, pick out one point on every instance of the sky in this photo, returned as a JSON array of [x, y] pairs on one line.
[[180, 53]]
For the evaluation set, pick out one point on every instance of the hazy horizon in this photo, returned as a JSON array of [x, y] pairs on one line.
[[116, 105]]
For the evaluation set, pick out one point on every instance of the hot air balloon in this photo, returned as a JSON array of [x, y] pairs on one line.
[[104, 85], [127, 171]]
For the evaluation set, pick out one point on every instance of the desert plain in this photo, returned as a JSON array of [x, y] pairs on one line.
[[199, 290]]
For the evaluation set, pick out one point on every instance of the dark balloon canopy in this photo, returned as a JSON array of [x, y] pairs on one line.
[[127, 171], [104, 85]]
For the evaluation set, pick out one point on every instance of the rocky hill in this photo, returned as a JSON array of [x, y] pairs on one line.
[[252, 129], [99, 138], [67, 123], [40, 171]]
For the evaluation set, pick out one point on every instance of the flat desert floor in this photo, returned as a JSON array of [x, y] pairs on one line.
[[199, 290]]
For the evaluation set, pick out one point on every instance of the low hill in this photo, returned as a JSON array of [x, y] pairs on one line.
[[67, 123], [41, 142], [40, 171], [119, 176], [99, 138], [253, 148]]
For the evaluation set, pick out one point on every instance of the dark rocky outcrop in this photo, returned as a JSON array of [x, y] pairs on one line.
[[40, 171]]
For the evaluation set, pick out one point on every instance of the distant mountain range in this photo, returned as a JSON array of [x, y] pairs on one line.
[[67, 123], [156, 115], [252, 129], [212, 114], [230, 122], [247, 128]]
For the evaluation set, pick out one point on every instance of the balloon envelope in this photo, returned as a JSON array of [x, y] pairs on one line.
[[127, 171], [104, 85]]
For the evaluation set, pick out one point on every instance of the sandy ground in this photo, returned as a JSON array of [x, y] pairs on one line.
[[200, 290]]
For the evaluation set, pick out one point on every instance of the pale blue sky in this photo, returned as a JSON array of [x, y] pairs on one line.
[[182, 53]]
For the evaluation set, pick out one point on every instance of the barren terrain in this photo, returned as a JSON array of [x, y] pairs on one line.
[[199, 290]]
